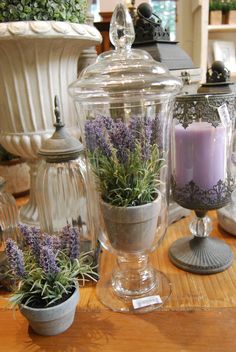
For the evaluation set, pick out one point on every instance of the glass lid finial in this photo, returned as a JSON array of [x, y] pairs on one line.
[[122, 33]]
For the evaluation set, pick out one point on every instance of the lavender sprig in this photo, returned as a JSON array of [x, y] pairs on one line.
[[47, 241], [32, 237], [47, 260], [15, 258], [146, 140], [122, 140], [70, 239], [96, 136]]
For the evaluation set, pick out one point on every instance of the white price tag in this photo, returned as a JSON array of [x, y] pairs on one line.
[[146, 301], [224, 115]]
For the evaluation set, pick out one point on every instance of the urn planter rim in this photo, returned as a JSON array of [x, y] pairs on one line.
[[48, 29]]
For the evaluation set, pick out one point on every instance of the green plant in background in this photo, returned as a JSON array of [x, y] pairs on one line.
[[5, 155], [225, 6], [43, 10], [232, 5], [125, 159], [215, 5], [46, 271]]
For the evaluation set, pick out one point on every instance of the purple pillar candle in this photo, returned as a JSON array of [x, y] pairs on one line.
[[200, 154]]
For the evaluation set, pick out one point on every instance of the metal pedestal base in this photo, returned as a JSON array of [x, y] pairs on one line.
[[201, 255]]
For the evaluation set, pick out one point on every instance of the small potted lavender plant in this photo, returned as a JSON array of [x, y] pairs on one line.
[[126, 162], [45, 275]]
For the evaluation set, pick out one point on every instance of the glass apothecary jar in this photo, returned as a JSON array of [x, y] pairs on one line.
[[124, 103], [62, 195]]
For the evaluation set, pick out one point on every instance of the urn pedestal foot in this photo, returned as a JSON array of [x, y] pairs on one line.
[[201, 255]]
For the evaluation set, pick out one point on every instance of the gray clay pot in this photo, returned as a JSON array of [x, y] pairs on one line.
[[53, 320], [131, 229]]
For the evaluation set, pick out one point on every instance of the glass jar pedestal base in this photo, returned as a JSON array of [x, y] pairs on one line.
[[201, 255], [108, 295]]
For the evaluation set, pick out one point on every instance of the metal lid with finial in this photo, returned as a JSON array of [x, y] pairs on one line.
[[61, 146]]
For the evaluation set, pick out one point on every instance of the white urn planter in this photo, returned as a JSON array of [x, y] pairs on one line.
[[38, 60], [16, 174]]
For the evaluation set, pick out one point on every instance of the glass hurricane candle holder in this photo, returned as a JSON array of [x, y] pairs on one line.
[[201, 176], [124, 102]]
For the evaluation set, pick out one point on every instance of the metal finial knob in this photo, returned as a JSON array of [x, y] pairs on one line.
[[57, 112]]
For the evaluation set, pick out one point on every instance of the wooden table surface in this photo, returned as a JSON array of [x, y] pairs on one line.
[[204, 323]]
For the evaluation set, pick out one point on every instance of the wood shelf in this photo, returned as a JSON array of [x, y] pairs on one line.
[[222, 28]]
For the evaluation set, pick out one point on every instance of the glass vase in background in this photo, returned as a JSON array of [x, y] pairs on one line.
[[124, 103]]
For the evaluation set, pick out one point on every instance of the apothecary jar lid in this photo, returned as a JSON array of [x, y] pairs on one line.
[[123, 73]]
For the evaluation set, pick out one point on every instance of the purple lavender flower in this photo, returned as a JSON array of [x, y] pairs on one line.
[[57, 245], [15, 258], [64, 238], [105, 121], [122, 140], [47, 240], [146, 139], [47, 260], [136, 128], [95, 136], [74, 243], [32, 237], [157, 134], [90, 136], [70, 239]]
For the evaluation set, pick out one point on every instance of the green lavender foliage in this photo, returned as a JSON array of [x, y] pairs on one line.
[[127, 184], [43, 10]]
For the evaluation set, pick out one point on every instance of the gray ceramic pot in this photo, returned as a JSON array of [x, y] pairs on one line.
[[54, 320], [131, 229]]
